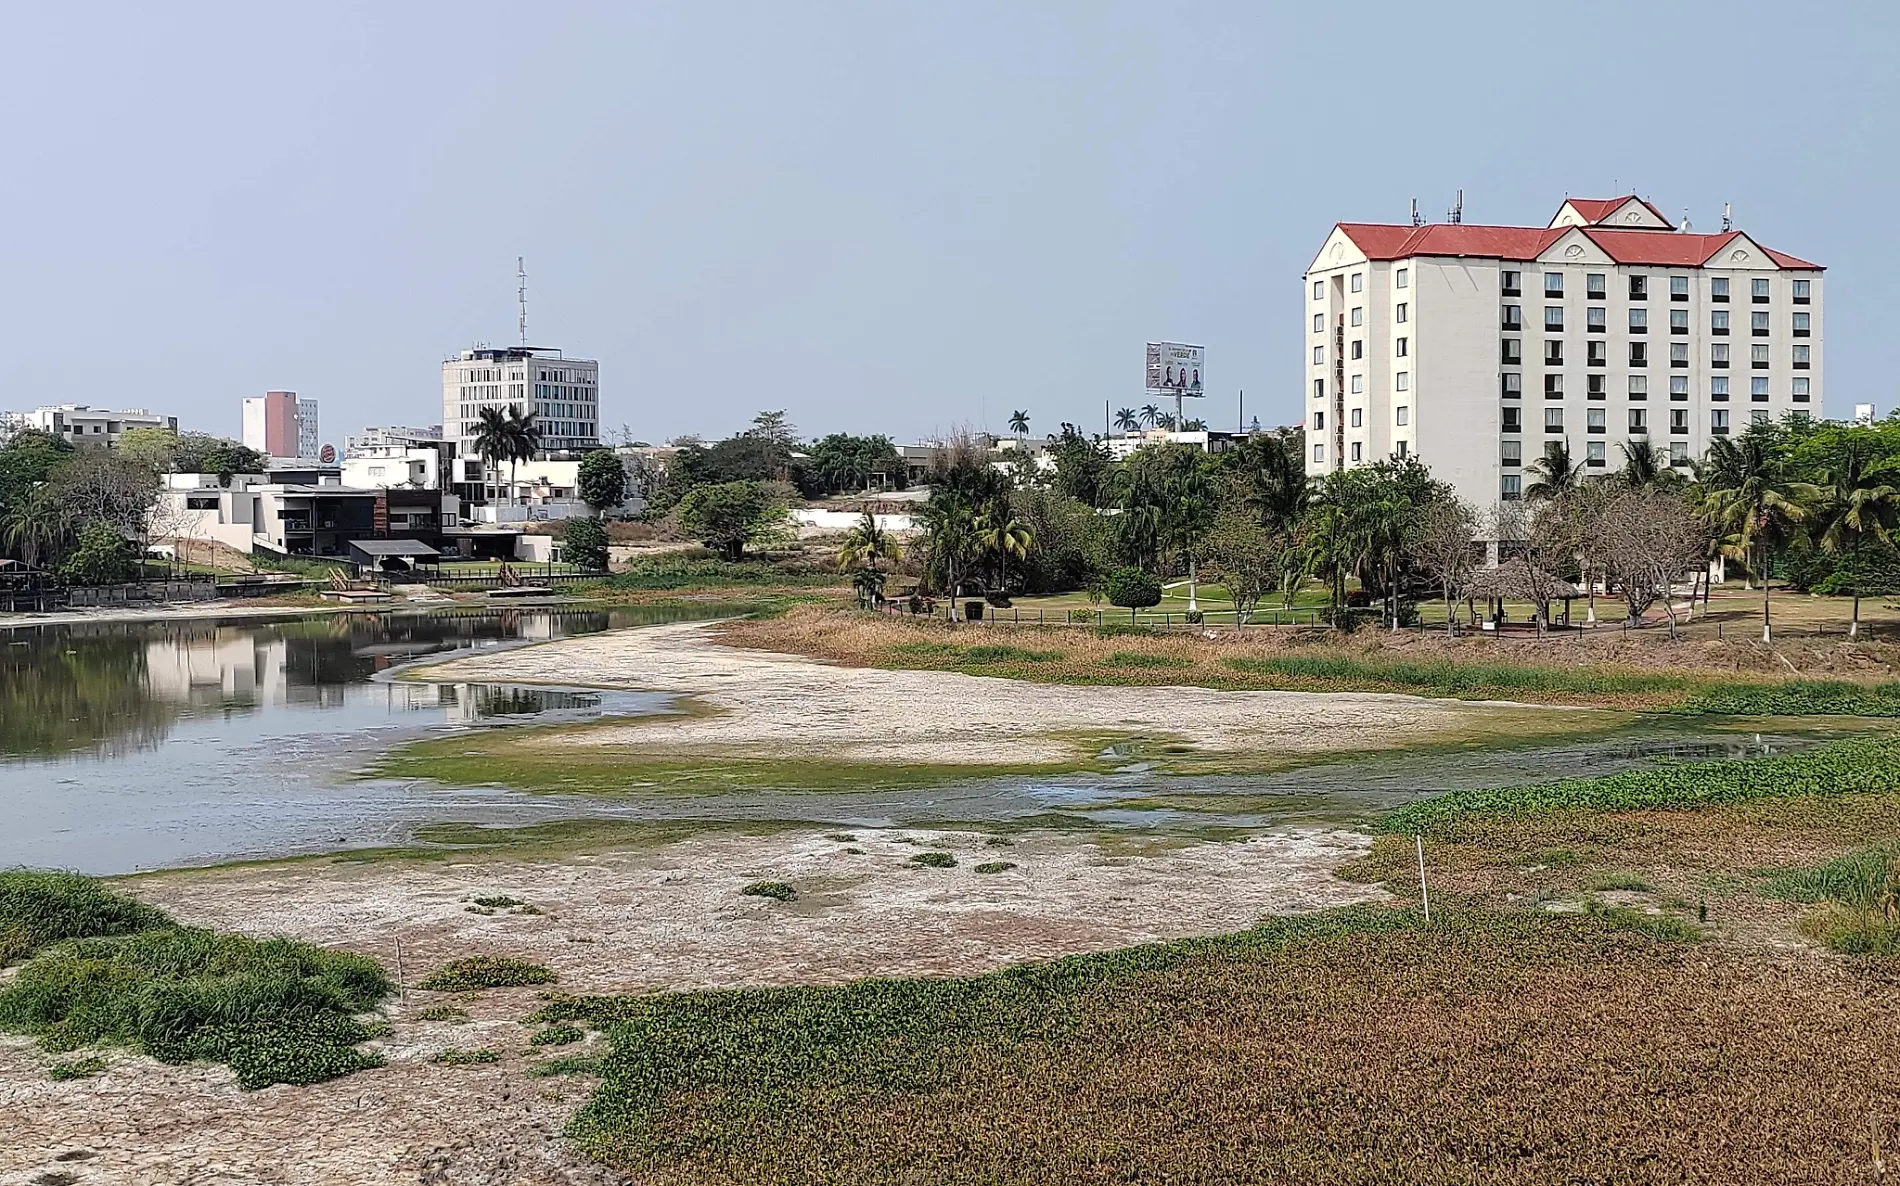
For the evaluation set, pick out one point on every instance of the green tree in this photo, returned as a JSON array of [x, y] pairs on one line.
[[865, 546], [1247, 558], [1858, 506], [1150, 415], [584, 542], [1556, 473], [100, 556], [1644, 466], [1751, 505], [155, 447], [1000, 534], [1082, 466], [949, 542], [1019, 424], [1133, 588], [603, 480], [510, 435], [1126, 421], [724, 516]]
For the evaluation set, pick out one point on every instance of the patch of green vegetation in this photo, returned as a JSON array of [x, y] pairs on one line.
[[1008, 654], [841, 837], [1616, 879], [1857, 899], [1142, 659], [935, 860], [448, 1013], [485, 971], [996, 866], [463, 1058], [680, 574], [38, 908], [1799, 697], [565, 1066], [557, 1035], [1482, 681], [1854, 766], [778, 891], [498, 901], [998, 842], [1665, 927], [76, 1068]]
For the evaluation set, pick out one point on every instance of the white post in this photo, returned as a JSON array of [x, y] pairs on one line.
[[1424, 895], [1194, 606]]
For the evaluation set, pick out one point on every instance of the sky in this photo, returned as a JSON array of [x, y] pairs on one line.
[[881, 217]]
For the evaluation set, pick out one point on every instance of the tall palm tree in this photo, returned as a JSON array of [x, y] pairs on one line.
[[949, 540], [35, 529], [1859, 505], [1557, 473], [524, 431], [1749, 501], [1150, 414], [1644, 465], [1165, 420], [1019, 424], [863, 547], [1274, 479], [510, 435], [1125, 420], [1004, 535]]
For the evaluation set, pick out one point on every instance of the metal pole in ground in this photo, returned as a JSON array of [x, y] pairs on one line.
[[1424, 896]]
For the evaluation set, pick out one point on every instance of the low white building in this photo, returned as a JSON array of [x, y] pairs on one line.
[[1122, 447], [400, 435], [82, 424]]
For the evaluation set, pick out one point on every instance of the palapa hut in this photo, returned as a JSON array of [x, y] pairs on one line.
[[1517, 579]]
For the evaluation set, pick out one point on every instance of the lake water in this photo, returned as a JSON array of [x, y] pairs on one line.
[[128, 746]]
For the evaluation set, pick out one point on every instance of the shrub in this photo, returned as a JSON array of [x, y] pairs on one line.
[[485, 971], [556, 1035], [448, 1013], [1194, 617], [100, 556], [996, 866], [584, 543], [462, 1058], [77, 1068], [1358, 598], [935, 860], [498, 901], [1009, 654], [41, 908], [1084, 617], [1131, 588], [778, 891]]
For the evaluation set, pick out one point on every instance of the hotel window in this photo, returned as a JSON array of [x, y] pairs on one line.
[[1597, 354], [1758, 289], [1679, 421], [1358, 417], [1404, 278], [1639, 420], [1358, 451], [1404, 414], [1358, 281], [1596, 319], [1512, 351], [1513, 420], [1319, 355], [1512, 317], [1758, 324], [1758, 357], [1678, 288], [1319, 389], [1553, 419], [1718, 421], [1511, 283], [1513, 384], [1358, 348], [1758, 389], [1511, 452], [1678, 453], [1319, 323], [1800, 358], [1553, 284], [1358, 314], [1553, 319], [1678, 354], [1639, 354], [1801, 390], [1758, 416], [1553, 386], [1678, 321], [1639, 321], [1554, 353], [1639, 288], [1594, 286], [1510, 488], [1718, 288], [1718, 388], [1718, 321], [1596, 420], [1718, 355], [1639, 386], [1800, 325], [1801, 292], [1405, 380], [1401, 347], [1593, 387], [1319, 290], [1319, 452], [1593, 453], [1679, 387], [1319, 422], [1358, 384], [1403, 309]]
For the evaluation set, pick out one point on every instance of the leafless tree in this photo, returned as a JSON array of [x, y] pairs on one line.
[[1541, 541], [1650, 540], [1445, 545]]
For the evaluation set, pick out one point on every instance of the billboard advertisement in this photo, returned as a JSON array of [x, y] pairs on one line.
[[1174, 368]]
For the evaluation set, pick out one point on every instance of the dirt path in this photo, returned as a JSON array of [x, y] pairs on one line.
[[788, 706], [608, 922]]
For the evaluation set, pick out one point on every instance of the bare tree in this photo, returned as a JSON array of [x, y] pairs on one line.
[[1650, 540], [1445, 545], [1541, 542]]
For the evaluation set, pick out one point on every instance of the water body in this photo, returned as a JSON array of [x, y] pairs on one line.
[[127, 746]]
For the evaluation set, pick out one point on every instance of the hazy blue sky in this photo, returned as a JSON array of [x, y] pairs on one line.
[[881, 216]]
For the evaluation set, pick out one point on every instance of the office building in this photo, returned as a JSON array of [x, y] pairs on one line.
[[81, 424], [397, 435], [1472, 346], [279, 424], [563, 393]]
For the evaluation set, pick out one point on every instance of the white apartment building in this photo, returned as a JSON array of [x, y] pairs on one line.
[[1471, 346], [82, 424], [564, 394], [384, 436]]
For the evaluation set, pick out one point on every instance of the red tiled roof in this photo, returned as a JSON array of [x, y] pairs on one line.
[[1595, 210], [1670, 249]]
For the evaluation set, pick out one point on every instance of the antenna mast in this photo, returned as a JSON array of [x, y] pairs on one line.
[[521, 296], [1458, 211]]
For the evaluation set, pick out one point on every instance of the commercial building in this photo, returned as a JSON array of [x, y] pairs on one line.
[[403, 435], [563, 393], [1472, 346], [82, 424], [279, 424]]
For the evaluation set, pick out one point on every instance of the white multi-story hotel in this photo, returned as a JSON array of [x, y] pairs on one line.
[[1471, 346], [564, 394]]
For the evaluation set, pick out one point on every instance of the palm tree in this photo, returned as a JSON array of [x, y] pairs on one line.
[[1274, 479], [1751, 504], [1019, 424], [509, 435], [1003, 534], [1150, 414], [1125, 420], [1644, 466], [1556, 473], [949, 540], [863, 547], [1195, 426], [36, 528], [1859, 505], [1165, 421]]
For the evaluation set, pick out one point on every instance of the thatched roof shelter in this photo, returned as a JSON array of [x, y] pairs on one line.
[[1517, 580]]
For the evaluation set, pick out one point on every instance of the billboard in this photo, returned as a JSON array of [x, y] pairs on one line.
[[1176, 369]]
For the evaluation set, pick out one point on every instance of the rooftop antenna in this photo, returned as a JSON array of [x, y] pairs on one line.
[[1416, 220], [1458, 211], [521, 295], [1728, 223]]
